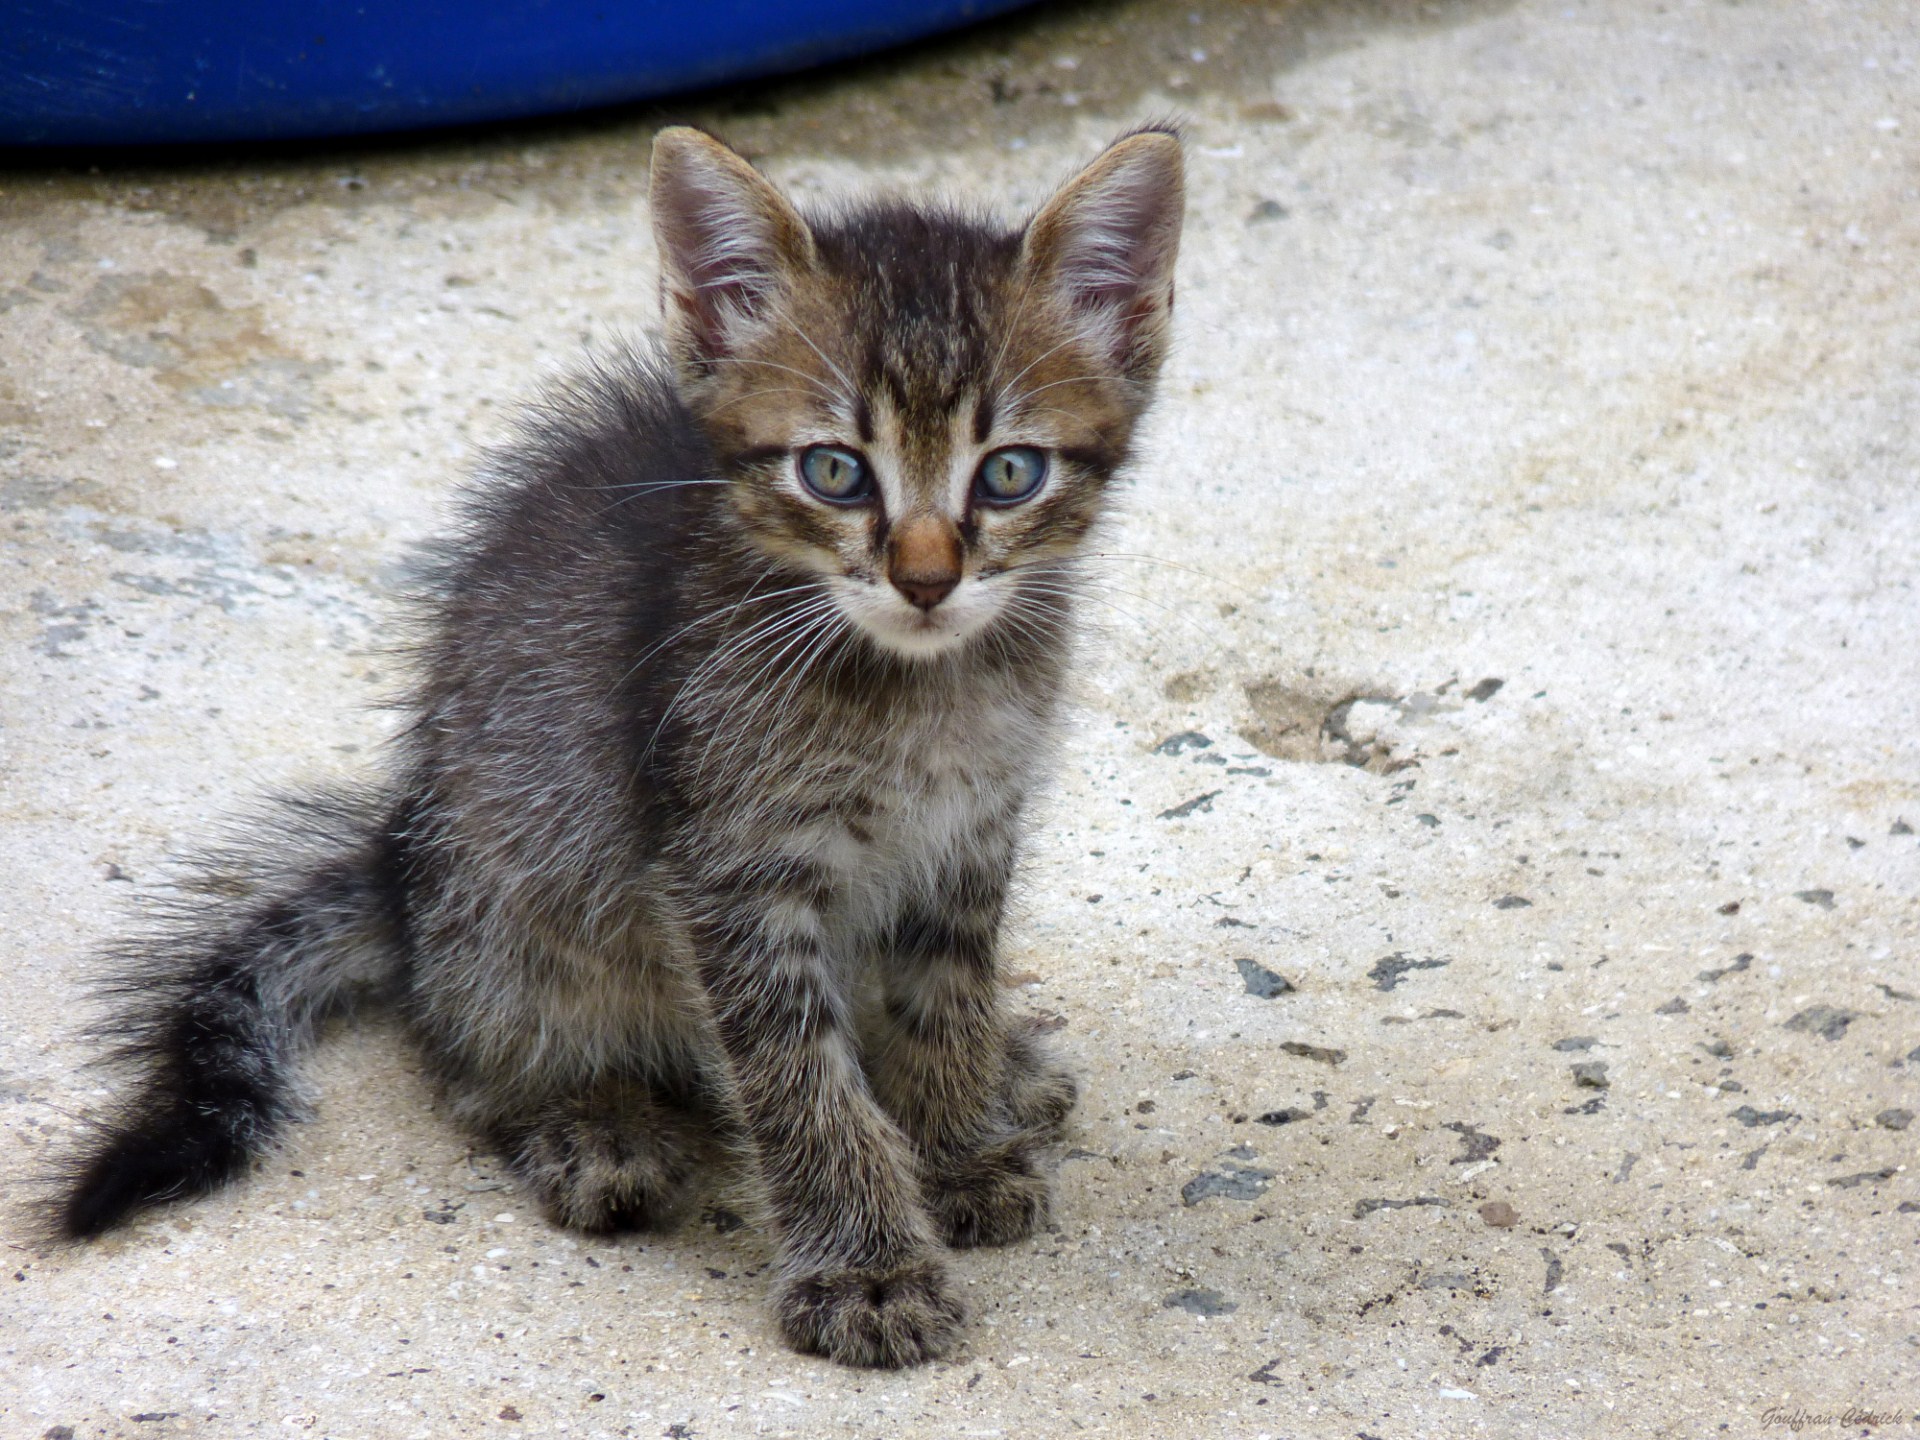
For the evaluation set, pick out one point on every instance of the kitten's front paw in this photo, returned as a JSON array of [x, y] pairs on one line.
[[884, 1317], [993, 1197]]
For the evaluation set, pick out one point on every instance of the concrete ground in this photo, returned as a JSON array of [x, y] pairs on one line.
[[1512, 646]]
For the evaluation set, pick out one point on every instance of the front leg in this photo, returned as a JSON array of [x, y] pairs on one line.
[[978, 1097], [860, 1274]]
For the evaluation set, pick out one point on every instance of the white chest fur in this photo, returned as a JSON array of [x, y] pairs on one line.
[[942, 796]]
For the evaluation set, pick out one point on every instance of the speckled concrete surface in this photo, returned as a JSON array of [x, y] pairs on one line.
[[1513, 645]]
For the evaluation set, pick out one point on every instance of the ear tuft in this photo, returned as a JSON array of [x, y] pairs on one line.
[[729, 244], [1106, 243]]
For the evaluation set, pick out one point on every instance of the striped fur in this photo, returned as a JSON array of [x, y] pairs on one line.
[[701, 836]]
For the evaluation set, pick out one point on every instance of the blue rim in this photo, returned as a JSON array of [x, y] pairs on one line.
[[170, 72]]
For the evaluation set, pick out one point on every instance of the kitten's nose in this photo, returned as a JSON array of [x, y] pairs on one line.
[[926, 593], [923, 559]]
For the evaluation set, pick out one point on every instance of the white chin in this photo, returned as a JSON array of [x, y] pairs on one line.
[[912, 633], [916, 637]]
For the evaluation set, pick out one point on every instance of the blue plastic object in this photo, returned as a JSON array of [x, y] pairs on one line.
[[144, 72]]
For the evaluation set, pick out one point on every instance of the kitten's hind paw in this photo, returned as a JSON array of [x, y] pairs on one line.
[[881, 1317], [608, 1162], [1040, 1094], [992, 1197], [1041, 1100]]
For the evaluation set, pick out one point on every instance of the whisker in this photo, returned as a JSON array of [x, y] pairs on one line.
[[1092, 588], [1144, 559], [1138, 558], [778, 630], [708, 619], [814, 380], [1079, 421], [1006, 339], [807, 625], [1075, 380], [640, 489], [1043, 355], [847, 396], [756, 395], [822, 608], [660, 484], [715, 661], [764, 628]]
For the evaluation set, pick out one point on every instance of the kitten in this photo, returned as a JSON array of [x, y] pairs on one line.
[[732, 694]]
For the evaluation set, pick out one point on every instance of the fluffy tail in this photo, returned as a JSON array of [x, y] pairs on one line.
[[212, 1014]]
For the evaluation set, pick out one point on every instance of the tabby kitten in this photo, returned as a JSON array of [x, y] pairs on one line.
[[732, 695]]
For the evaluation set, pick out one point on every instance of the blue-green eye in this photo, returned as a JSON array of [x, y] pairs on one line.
[[835, 474], [1009, 476]]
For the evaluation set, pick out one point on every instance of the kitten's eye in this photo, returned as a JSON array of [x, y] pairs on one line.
[[1009, 476], [835, 474]]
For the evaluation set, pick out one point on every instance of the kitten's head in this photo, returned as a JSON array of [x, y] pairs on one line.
[[920, 407]]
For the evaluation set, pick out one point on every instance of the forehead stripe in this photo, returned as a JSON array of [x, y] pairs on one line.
[[983, 418]]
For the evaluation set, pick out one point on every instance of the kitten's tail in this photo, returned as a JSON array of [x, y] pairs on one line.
[[213, 1013]]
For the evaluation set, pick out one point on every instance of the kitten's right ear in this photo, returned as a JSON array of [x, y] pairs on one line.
[[728, 243]]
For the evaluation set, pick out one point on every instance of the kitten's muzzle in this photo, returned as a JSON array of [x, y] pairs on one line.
[[923, 559]]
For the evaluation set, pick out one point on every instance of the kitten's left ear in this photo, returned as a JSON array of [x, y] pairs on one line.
[[729, 244], [1105, 247]]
